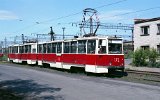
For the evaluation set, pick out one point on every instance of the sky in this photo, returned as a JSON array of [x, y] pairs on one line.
[[31, 17]]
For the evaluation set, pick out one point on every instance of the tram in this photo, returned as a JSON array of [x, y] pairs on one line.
[[94, 54]]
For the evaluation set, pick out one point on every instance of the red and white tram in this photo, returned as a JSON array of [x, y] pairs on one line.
[[94, 54]]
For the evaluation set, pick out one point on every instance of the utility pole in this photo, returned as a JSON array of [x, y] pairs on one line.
[[132, 40], [52, 34], [5, 45], [63, 31], [23, 38]]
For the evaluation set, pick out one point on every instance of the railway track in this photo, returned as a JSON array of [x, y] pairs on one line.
[[143, 72], [146, 76]]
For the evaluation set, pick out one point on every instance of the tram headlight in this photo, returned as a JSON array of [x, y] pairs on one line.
[[110, 63], [122, 64]]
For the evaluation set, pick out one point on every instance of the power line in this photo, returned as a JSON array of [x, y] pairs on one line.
[[120, 1], [30, 26], [110, 4], [142, 10], [42, 22]]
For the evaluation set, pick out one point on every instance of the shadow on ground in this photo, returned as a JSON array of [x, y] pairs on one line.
[[30, 90]]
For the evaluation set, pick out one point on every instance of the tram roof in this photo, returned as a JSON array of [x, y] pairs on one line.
[[74, 39]]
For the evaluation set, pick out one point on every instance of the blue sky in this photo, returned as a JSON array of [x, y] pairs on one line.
[[21, 16]]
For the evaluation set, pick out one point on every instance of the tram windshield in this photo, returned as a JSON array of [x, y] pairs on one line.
[[115, 47]]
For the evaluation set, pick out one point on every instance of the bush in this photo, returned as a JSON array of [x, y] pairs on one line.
[[139, 57], [157, 64], [152, 56]]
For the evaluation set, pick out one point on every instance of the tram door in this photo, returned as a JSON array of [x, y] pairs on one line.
[[102, 46], [102, 59]]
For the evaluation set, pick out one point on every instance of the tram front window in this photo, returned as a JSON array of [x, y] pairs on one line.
[[115, 48]]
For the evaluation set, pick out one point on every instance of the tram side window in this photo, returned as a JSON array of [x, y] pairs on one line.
[[44, 48], [16, 49], [73, 47], [20, 49], [29, 48], [53, 47], [9, 50], [59, 47], [82, 46], [91, 46], [12, 49], [26, 48], [49, 48], [40, 50], [66, 47]]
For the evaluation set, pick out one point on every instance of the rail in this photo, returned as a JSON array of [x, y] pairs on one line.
[[143, 72]]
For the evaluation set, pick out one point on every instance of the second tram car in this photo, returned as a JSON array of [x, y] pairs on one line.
[[94, 54]]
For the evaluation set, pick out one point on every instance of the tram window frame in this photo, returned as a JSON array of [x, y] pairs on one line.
[[59, 47], [9, 50], [20, 49], [73, 47], [26, 48], [12, 49], [45, 48], [54, 47], [82, 46], [40, 48], [16, 49], [91, 49], [66, 47], [49, 47], [29, 48]]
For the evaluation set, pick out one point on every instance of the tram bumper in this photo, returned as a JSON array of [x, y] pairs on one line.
[[96, 69]]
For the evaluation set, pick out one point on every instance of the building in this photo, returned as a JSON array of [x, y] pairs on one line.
[[147, 33]]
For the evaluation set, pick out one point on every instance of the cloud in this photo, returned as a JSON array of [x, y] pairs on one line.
[[114, 16], [7, 15]]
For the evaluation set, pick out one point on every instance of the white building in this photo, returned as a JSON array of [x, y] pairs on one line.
[[147, 33]]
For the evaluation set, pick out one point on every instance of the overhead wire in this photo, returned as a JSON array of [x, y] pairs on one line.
[[42, 22], [110, 4], [142, 10]]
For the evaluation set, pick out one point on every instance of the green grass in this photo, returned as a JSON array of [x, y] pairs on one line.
[[4, 58]]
